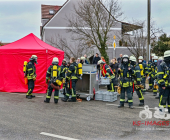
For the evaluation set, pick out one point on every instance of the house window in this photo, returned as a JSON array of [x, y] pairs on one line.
[[51, 12]]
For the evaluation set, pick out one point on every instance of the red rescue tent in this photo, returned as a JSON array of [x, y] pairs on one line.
[[12, 57]]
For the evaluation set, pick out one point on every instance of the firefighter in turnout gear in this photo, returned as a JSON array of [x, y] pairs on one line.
[[153, 73], [151, 82], [31, 75], [144, 72], [63, 75], [125, 72], [107, 72], [164, 81], [136, 76], [53, 79], [72, 77]]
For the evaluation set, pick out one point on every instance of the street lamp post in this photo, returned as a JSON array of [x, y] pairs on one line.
[[149, 19]]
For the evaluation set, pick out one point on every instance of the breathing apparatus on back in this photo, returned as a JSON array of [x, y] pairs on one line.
[[54, 73]]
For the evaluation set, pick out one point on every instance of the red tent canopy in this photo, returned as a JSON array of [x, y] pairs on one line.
[[12, 57]]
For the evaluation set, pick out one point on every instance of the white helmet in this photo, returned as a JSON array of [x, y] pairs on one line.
[[132, 58], [83, 58], [55, 60], [167, 53], [161, 58], [140, 57], [101, 62], [34, 57], [125, 56], [155, 57], [152, 54]]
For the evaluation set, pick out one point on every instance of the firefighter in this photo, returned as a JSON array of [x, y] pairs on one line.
[[72, 77], [53, 79], [158, 64], [107, 72], [153, 72], [31, 75], [164, 80], [137, 79], [144, 72], [150, 72], [63, 75], [125, 72]]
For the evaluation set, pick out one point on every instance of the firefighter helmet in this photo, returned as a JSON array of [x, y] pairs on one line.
[[83, 58], [167, 53], [55, 60], [140, 57], [101, 62], [161, 58], [34, 57], [152, 54], [155, 57], [132, 58], [125, 56]]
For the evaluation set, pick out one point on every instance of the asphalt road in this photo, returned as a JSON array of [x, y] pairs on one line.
[[24, 119]]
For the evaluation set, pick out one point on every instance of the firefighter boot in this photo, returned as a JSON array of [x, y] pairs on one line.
[[121, 105], [64, 99], [47, 100], [29, 97], [131, 107], [33, 96]]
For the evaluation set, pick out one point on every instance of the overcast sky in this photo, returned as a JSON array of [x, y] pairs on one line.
[[19, 18]]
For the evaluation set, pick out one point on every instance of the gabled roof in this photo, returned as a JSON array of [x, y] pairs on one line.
[[30, 42], [45, 10], [124, 25], [55, 13]]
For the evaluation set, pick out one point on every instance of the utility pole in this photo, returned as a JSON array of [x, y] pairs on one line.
[[149, 20]]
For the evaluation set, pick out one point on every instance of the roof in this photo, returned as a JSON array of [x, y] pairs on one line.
[[29, 42], [45, 10], [127, 27], [124, 24]]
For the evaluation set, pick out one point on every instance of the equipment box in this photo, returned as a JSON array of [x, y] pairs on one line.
[[88, 68], [99, 95], [104, 81], [109, 96]]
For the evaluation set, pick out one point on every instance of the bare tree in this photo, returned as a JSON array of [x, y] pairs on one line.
[[93, 21], [136, 41], [1, 44], [76, 50]]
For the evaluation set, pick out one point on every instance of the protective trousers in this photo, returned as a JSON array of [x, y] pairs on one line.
[[165, 98], [64, 88], [30, 87], [154, 90], [151, 82], [129, 95], [143, 83], [140, 95], [72, 89], [49, 93], [111, 86]]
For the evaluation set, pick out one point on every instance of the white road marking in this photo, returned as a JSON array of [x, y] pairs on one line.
[[57, 136], [128, 106], [13, 93], [22, 94], [39, 96]]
